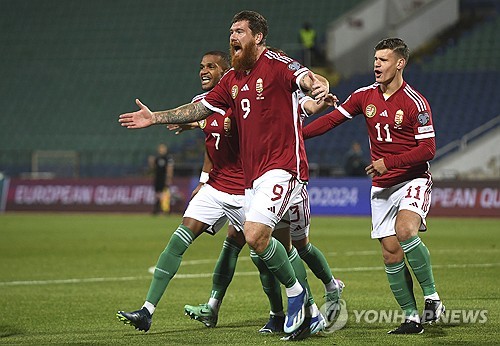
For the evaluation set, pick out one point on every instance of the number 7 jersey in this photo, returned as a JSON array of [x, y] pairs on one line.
[[222, 146]]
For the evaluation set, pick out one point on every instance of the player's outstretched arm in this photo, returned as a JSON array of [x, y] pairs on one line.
[[144, 117]]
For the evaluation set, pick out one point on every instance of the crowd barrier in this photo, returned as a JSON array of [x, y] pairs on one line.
[[328, 196]]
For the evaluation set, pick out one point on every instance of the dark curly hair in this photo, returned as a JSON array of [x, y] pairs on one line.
[[256, 22]]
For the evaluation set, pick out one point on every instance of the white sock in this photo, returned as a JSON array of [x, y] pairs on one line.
[[151, 308], [214, 304], [433, 296], [414, 317], [313, 310], [331, 286], [295, 290], [280, 313]]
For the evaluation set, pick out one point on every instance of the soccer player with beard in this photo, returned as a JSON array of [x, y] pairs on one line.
[[223, 174], [296, 232], [259, 89], [402, 141], [295, 237]]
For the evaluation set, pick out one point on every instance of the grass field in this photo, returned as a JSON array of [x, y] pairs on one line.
[[63, 277]]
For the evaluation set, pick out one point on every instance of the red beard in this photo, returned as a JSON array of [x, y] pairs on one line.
[[247, 58]]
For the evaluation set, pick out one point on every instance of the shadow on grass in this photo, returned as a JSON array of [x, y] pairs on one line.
[[6, 331]]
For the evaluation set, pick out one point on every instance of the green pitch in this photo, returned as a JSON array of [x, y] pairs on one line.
[[63, 277]]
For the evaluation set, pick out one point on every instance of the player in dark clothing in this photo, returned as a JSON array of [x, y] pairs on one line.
[[163, 171]]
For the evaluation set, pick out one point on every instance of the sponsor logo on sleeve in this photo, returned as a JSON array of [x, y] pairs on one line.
[[423, 129], [423, 118], [294, 66]]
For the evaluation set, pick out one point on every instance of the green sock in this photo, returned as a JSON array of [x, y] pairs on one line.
[[224, 269], [276, 259], [300, 273], [402, 286], [270, 283], [316, 261], [169, 262], [419, 259]]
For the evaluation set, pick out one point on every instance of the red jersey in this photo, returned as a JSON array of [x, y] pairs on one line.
[[400, 130], [265, 107], [221, 141]]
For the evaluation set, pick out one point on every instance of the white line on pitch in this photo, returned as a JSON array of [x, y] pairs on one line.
[[378, 252], [207, 275]]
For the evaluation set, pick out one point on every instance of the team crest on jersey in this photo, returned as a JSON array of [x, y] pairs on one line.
[[423, 118], [259, 87], [227, 127], [294, 66], [398, 118], [234, 91], [370, 110], [202, 123]]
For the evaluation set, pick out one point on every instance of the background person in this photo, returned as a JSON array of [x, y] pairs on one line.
[[162, 165], [355, 163], [307, 38]]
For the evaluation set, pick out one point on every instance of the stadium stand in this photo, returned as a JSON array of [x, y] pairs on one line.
[[69, 68], [459, 80]]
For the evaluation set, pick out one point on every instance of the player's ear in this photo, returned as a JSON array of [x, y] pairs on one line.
[[258, 38], [401, 63]]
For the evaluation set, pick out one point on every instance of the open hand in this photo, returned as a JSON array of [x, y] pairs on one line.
[[138, 119]]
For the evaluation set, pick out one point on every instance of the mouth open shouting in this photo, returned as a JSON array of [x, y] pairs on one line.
[[236, 49], [243, 57]]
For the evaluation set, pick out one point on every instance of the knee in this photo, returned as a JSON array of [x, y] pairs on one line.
[[300, 244], [393, 257], [404, 231], [392, 252], [257, 241], [236, 236], [407, 225]]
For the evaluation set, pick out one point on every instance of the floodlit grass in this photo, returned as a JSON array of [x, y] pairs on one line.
[[63, 277]]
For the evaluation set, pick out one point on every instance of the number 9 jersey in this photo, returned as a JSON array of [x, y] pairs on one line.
[[265, 107]]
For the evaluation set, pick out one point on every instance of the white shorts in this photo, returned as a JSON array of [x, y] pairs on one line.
[[215, 207], [271, 197], [298, 217], [413, 195]]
